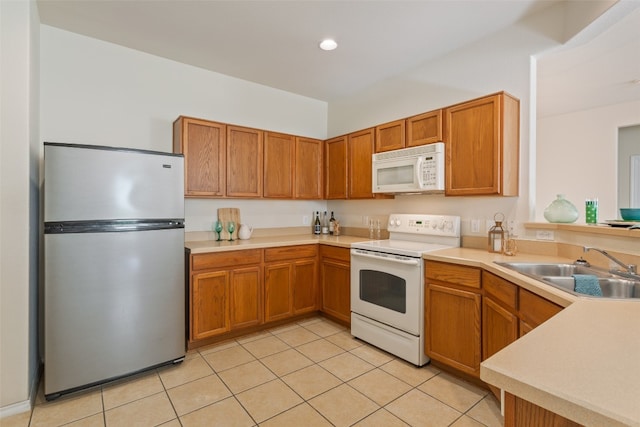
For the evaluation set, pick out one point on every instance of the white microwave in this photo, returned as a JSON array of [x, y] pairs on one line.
[[410, 170]]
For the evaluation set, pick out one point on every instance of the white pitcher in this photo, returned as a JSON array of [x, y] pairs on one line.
[[245, 231]]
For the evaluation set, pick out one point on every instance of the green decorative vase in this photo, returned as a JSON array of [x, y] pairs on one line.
[[561, 210]]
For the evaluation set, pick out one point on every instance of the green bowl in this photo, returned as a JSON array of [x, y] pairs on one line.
[[630, 214]]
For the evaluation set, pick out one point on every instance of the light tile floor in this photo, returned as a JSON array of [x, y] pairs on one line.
[[311, 373]]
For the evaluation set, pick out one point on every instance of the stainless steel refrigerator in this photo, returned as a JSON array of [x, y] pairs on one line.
[[114, 294]]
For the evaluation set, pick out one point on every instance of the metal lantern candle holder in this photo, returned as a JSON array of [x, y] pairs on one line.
[[497, 235]]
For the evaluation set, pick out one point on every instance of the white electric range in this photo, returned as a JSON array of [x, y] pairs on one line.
[[387, 282]]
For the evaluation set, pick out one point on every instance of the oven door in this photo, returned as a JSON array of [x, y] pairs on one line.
[[387, 288]]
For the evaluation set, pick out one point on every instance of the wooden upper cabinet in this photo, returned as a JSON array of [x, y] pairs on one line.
[[482, 146], [308, 168], [360, 145], [390, 136], [424, 128], [203, 145], [279, 163], [244, 162], [335, 169]]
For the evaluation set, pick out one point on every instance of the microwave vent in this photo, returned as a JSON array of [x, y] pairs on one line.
[[436, 147]]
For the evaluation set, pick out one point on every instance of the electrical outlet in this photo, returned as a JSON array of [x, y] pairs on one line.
[[475, 226], [306, 220], [544, 235], [365, 220]]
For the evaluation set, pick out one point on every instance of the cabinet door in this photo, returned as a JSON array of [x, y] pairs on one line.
[[336, 289], [360, 170], [390, 136], [209, 304], [203, 145], [278, 280], [305, 286], [245, 297], [473, 147], [244, 162], [499, 327], [534, 310], [452, 323], [424, 128], [279, 162], [308, 166], [335, 168]]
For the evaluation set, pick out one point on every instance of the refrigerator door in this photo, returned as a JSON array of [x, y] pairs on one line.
[[85, 183], [114, 305]]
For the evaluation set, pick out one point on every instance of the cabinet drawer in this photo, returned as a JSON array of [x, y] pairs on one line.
[[500, 290], [290, 252], [452, 273], [342, 254], [226, 259]]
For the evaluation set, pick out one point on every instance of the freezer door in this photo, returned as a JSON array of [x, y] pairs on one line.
[[84, 183], [114, 305]]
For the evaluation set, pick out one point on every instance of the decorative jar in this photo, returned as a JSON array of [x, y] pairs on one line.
[[561, 210]]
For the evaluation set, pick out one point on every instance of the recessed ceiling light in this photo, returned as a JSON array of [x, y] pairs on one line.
[[328, 44]]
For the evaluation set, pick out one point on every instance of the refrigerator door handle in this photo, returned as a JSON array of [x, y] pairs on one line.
[[109, 226]]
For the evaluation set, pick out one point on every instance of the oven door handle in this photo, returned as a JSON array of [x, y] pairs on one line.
[[390, 258]]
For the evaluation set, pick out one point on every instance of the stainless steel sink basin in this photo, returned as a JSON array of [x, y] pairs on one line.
[[611, 288], [560, 275]]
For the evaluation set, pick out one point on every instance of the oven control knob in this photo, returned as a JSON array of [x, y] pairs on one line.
[[398, 222], [441, 225]]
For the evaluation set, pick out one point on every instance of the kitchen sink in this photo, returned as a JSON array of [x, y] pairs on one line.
[[560, 275]]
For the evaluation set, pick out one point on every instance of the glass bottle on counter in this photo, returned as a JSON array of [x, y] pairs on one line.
[[325, 223], [316, 225], [332, 222]]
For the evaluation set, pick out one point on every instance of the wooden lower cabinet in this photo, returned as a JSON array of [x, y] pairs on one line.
[[499, 327], [290, 281], [499, 314], [245, 297], [522, 413], [452, 317], [305, 286], [471, 314], [335, 280], [225, 292], [534, 310], [209, 304], [453, 304]]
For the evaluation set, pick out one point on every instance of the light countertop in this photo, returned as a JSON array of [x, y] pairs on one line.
[[204, 246], [583, 364]]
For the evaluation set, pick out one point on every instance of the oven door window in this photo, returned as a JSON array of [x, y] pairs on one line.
[[384, 290]]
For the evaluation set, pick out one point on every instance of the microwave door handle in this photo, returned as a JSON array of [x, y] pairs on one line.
[[379, 258], [419, 163]]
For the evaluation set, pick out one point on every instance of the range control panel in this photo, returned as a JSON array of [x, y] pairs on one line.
[[433, 225]]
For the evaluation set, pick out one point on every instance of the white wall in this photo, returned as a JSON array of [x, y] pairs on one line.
[[95, 92], [19, 193], [578, 157]]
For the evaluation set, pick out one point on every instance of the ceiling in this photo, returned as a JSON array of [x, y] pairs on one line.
[[275, 43]]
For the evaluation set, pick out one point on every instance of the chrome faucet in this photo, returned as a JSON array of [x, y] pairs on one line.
[[629, 268]]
